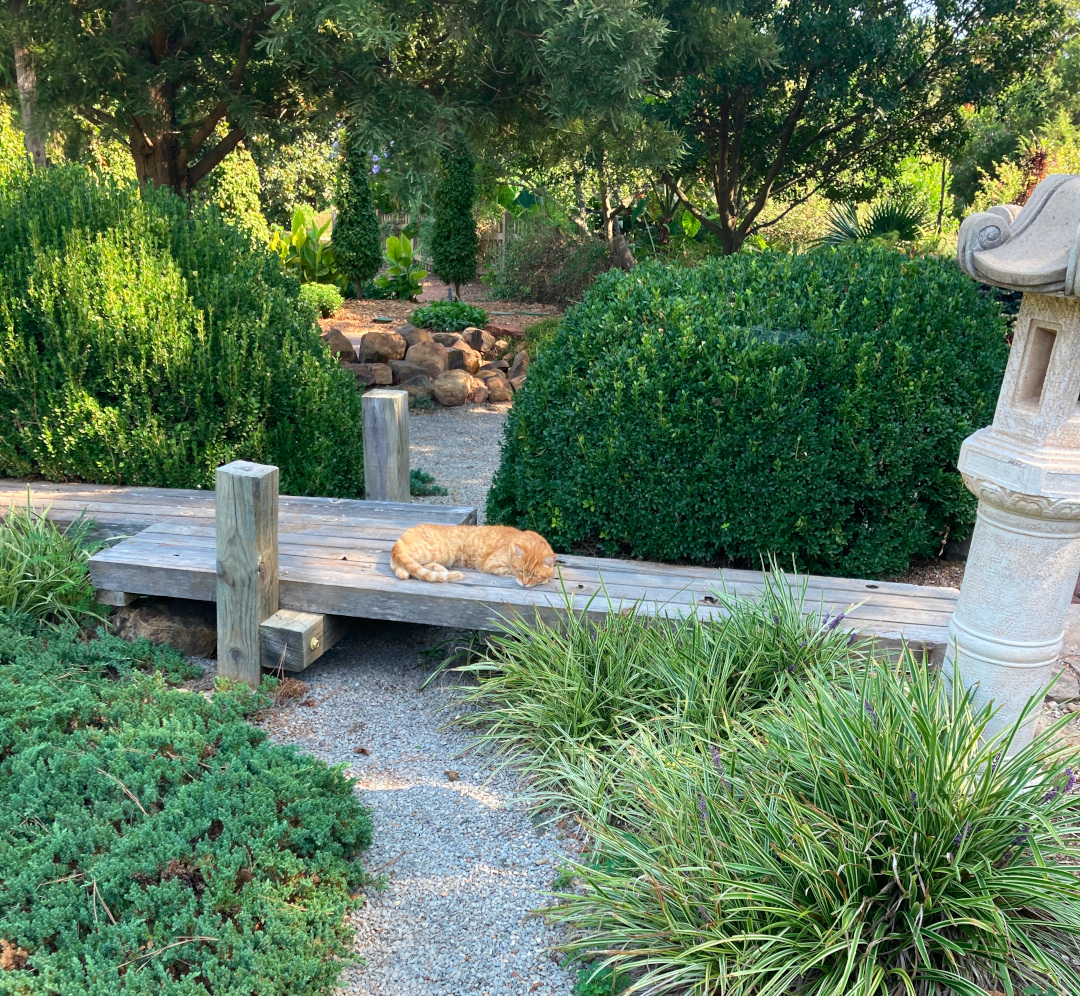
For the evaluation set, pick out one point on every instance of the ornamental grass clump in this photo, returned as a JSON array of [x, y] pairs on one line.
[[559, 700], [863, 838], [43, 569]]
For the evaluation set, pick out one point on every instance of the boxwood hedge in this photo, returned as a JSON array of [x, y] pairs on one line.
[[809, 406], [144, 340], [151, 841]]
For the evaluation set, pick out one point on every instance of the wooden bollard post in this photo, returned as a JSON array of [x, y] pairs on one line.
[[246, 523], [386, 445]]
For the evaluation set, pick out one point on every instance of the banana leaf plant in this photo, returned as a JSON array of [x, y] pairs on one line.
[[403, 277]]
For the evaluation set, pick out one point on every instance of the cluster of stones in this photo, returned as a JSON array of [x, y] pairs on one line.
[[451, 368]]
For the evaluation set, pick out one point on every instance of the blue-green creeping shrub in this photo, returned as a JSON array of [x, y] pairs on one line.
[[144, 340], [808, 406], [151, 841]]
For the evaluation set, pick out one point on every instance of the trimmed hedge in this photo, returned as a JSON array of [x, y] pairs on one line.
[[808, 406], [144, 340], [152, 842]]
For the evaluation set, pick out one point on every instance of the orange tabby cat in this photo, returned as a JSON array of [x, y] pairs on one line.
[[428, 551]]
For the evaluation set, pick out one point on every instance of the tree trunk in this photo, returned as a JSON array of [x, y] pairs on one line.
[[613, 234], [156, 159], [26, 81], [581, 219]]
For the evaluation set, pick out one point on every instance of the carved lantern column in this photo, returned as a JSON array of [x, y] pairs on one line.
[[1008, 626]]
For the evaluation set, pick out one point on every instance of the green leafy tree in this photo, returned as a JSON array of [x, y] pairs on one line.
[[183, 82], [455, 242], [772, 106], [356, 238]]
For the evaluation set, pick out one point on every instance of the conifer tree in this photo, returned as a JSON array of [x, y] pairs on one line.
[[454, 239], [355, 240]]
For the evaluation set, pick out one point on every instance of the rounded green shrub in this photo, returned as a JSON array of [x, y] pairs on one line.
[[808, 406], [144, 340], [324, 298], [356, 240], [454, 242], [448, 316]]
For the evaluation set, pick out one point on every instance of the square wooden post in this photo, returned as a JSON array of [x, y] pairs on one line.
[[246, 525], [386, 445]]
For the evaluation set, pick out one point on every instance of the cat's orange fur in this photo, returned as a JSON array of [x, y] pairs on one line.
[[428, 551]]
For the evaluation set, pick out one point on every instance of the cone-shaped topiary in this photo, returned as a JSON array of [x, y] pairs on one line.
[[455, 242], [355, 239]]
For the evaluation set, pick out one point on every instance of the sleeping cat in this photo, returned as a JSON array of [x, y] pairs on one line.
[[428, 551]]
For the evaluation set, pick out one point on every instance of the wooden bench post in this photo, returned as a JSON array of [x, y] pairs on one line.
[[386, 445], [246, 526]]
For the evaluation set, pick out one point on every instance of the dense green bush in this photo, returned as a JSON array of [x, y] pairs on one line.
[[324, 298], [152, 842], [356, 239], [543, 263], [454, 241], [809, 406], [448, 316], [145, 341]]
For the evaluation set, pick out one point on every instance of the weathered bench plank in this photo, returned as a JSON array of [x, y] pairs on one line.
[[123, 511], [347, 572]]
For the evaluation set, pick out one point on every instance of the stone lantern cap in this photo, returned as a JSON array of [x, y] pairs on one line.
[[1030, 248]]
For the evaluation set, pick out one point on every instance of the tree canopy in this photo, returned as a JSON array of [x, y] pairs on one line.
[[778, 99]]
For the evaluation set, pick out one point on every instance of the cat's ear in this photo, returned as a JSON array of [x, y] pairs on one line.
[[518, 552], [550, 561]]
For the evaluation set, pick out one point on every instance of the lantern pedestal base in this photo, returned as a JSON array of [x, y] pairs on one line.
[[1007, 631]]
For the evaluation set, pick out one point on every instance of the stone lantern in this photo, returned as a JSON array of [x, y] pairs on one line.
[[1007, 630]]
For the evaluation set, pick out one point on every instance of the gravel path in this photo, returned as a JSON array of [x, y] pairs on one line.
[[460, 447], [465, 863]]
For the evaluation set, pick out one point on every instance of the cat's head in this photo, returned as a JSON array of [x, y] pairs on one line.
[[532, 559]]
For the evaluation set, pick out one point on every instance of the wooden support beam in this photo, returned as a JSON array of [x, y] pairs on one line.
[[302, 637], [246, 514], [104, 596], [386, 445]]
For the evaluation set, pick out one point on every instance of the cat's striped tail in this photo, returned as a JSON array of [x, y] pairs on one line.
[[405, 566]]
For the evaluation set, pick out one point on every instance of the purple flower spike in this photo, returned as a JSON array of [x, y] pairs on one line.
[[1050, 796], [375, 168], [830, 626], [1070, 781], [703, 809], [717, 760], [914, 797], [791, 667], [775, 620]]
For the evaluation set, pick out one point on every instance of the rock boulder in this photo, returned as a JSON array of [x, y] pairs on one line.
[[461, 357], [403, 370], [339, 345], [414, 335], [420, 388], [478, 339], [498, 388], [381, 347], [452, 387], [429, 355]]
